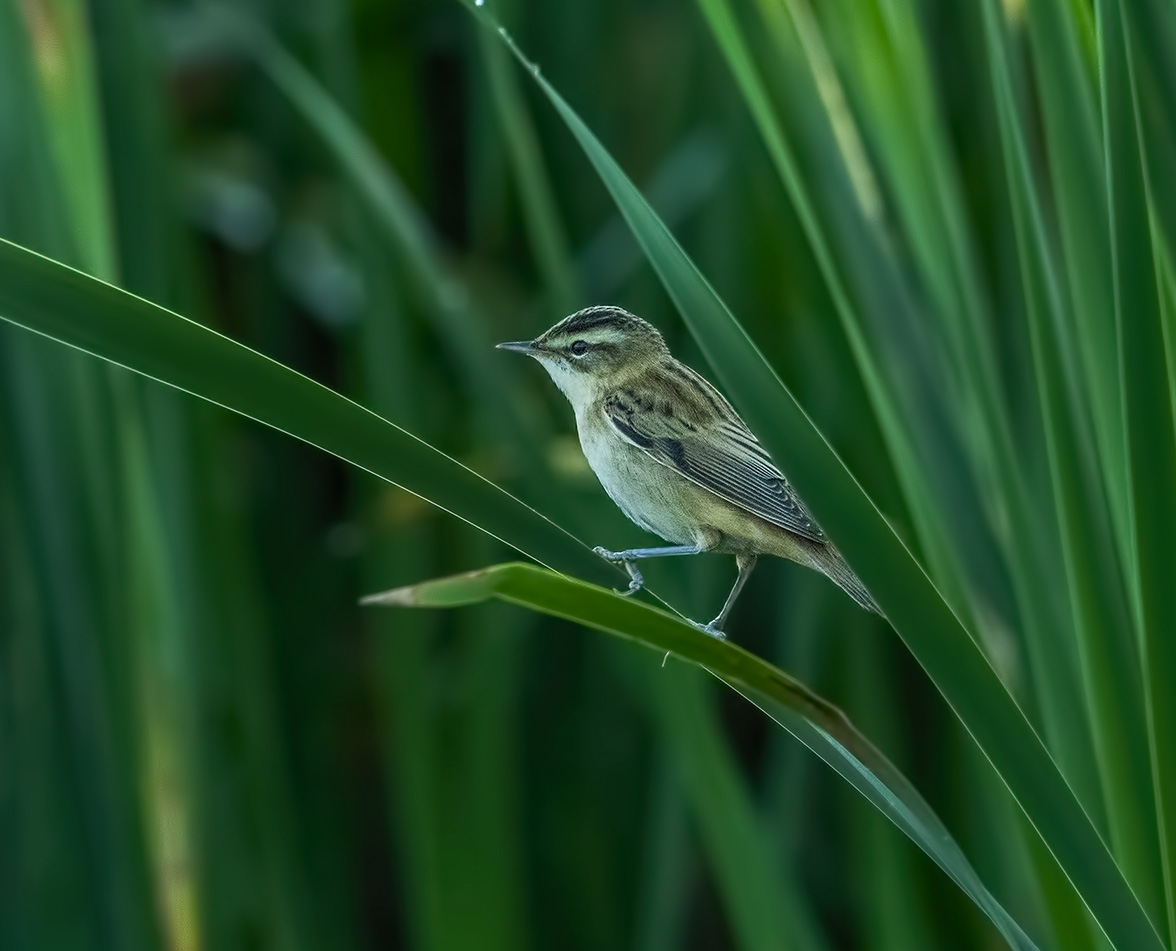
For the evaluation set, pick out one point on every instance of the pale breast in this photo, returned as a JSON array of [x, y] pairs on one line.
[[650, 494]]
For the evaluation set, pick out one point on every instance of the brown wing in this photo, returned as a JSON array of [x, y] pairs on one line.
[[721, 455]]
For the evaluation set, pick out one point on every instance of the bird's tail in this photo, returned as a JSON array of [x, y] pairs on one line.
[[828, 559]]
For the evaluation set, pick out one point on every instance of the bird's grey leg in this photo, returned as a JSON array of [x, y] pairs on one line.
[[630, 555], [746, 564]]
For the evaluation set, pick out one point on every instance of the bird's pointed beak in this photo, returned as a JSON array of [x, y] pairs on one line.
[[520, 346]]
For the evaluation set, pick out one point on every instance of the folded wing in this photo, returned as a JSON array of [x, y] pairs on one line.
[[721, 455]]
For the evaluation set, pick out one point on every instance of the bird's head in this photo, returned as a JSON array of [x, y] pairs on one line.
[[594, 350]]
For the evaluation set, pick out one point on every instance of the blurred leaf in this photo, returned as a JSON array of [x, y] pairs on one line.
[[1099, 604], [761, 903], [1070, 114], [548, 243], [83, 860], [454, 313], [1151, 438]]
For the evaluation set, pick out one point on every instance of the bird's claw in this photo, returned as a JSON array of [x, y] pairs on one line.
[[635, 580], [712, 629]]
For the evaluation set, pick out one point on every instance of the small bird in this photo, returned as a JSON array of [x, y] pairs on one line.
[[674, 455]]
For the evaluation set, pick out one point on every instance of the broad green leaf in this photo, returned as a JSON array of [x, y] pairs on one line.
[[810, 718], [51, 299], [932, 632]]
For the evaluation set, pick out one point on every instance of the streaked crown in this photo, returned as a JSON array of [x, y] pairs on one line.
[[599, 338]]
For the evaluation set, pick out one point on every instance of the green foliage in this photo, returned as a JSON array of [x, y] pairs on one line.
[[925, 248]]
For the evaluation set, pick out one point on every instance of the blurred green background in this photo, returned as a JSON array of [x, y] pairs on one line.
[[206, 744]]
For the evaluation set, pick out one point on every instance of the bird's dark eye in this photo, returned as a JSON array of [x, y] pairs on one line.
[[579, 348]]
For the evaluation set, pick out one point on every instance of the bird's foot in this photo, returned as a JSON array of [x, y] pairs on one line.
[[712, 629], [635, 580]]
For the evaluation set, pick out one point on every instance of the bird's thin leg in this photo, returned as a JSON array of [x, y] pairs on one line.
[[630, 555], [746, 564]]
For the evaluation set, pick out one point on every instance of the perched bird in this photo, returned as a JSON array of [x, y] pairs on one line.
[[674, 455]]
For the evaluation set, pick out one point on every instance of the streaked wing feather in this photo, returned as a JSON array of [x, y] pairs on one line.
[[724, 457]]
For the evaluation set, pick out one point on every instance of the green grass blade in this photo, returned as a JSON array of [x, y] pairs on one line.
[[408, 727], [762, 900], [51, 299], [1151, 439], [898, 109], [1151, 28], [423, 825], [1070, 114], [887, 405], [72, 118], [813, 720], [896, 903], [685, 180], [1100, 607], [932, 632], [1110, 660], [201, 783], [36, 211], [753, 890], [483, 835], [878, 308], [1033, 551], [667, 864], [53, 195], [549, 244], [155, 702], [765, 905], [44, 831], [98, 760]]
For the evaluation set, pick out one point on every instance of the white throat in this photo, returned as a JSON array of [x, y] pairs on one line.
[[579, 388]]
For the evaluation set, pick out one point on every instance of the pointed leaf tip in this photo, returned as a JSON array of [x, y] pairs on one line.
[[397, 597]]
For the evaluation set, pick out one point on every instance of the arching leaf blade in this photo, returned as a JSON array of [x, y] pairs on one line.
[[56, 301], [809, 717]]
